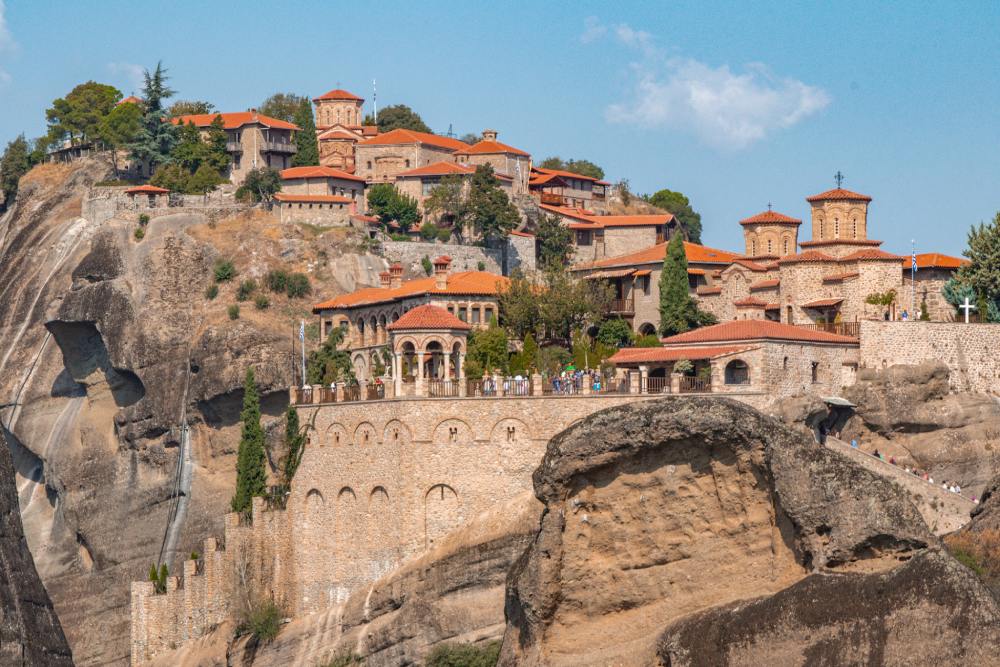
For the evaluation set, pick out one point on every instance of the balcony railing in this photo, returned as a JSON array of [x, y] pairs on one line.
[[279, 147], [695, 385], [442, 388], [553, 199], [657, 385], [234, 147], [622, 306], [852, 329]]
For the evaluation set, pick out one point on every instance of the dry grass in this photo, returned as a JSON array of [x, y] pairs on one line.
[[979, 551], [49, 174]]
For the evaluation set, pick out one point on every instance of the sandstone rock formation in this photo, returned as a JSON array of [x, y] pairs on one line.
[[683, 516], [108, 344], [30, 633]]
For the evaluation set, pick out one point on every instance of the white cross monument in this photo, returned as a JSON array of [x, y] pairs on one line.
[[967, 307]]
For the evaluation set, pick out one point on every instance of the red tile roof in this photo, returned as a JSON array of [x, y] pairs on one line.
[[708, 291], [338, 94], [826, 242], [146, 189], [870, 254], [838, 277], [443, 168], [633, 355], [765, 284], [517, 232], [747, 330], [401, 136], [823, 303], [232, 121], [545, 179], [318, 172], [839, 193], [472, 283], [772, 217], [564, 174], [773, 306], [935, 260], [312, 199], [697, 254], [749, 264], [749, 302], [807, 256], [370, 219], [492, 147], [131, 99], [338, 133], [427, 316]]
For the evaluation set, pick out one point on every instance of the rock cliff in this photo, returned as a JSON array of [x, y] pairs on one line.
[[671, 527], [108, 345]]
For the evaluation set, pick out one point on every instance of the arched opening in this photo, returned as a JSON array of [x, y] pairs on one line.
[[434, 361], [408, 362], [455, 361], [647, 329], [737, 372], [442, 513]]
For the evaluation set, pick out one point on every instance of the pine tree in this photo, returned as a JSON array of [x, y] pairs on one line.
[[678, 311], [307, 153], [14, 164], [157, 137], [490, 210], [251, 473], [218, 156]]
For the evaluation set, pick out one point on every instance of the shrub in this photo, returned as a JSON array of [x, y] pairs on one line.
[[297, 286], [246, 289], [980, 552], [428, 231], [615, 332], [143, 219], [211, 291], [276, 280], [262, 621], [648, 340], [262, 302], [683, 366], [234, 312], [481, 266], [195, 555], [464, 655], [426, 263], [444, 234], [224, 270], [139, 233]]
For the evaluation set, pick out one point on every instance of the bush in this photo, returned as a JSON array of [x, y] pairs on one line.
[[426, 263], [262, 621], [428, 231], [276, 280], [615, 333], [464, 655], [139, 233], [683, 366], [224, 270], [234, 312], [143, 219], [262, 302], [211, 292], [195, 555], [297, 286], [444, 234], [980, 552], [246, 289], [481, 266], [649, 340]]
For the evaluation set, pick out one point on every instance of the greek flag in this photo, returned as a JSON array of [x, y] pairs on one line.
[[913, 261]]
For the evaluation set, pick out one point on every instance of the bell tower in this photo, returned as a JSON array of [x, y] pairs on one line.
[[839, 214], [770, 234], [338, 107]]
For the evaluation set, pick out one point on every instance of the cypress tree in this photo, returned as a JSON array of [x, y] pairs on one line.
[[251, 473], [294, 440], [678, 312], [307, 153]]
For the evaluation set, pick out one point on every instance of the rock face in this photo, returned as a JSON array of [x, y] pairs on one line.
[[30, 633], [663, 513], [107, 345], [907, 412]]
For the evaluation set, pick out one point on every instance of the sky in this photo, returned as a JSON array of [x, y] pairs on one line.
[[737, 105]]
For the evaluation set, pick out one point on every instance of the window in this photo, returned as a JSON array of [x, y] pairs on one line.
[[854, 229], [327, 326], [237, 160], [407, 164], [463, 314], [475, 316], [645, 285], [769, 246], [784, 364], [815, 372], [753, 247], [583, 237], [488, 315], [784, 247], [836, 228], [369, 164]]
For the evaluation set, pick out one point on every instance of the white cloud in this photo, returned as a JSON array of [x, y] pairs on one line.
[[133, 74], [593, 30], [724, 108]]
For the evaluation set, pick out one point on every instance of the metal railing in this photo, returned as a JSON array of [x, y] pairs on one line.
[[622, 306], [657, 385], [691, 384], [280, 147], [612, 386], [442, 388]]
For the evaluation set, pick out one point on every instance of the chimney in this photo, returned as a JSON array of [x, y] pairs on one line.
[[489, 135], [441, 265], [385, 279], [396, 276]]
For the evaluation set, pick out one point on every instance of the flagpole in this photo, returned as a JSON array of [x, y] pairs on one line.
[[913, 279], [302, 344]]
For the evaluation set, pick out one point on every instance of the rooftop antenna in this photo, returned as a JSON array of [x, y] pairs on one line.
[[375, 100], [839, 177]]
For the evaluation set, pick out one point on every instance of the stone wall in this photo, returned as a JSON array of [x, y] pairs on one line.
[[104, 203], [322, 214], [969, 350], [463, 257]]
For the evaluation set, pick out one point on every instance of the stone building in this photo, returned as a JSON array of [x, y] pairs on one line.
[[339, 126], [418, 183], [597, 237], [507, 160], [324, 181], [322, 210], [366, 314], [147, 196], [555, 187], [380, 158], [253, 140]]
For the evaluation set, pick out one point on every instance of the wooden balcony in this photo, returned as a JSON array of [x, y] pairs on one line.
[[552, 199], [234, 147], [622, 306], [852, 329]]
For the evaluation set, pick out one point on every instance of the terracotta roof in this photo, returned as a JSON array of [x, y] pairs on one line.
[[870, 254], [807, 256], [490, 147], [544, 179], [765, 284], [131, 99], [610, 273], [708, 291], [696, 272], [427, 316], [401, 136], [632, 355], [370, 219], [697, 254], [146, 189], [772, 217], [705, 255], [642, 273], [312, 199], [318, 172], [441, 168], [823, 303], [338, 133], [749, 264], [600, 221], [740, 330], [838, 277], [826, 242], [773, 306], [564, 174], [231, 121], [338, 94], [464, 283], [935, 260], [750, 302], [369, 130], [517, 232], [839, 193]]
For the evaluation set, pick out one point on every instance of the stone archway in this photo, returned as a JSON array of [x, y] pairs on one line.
[[442, 513]]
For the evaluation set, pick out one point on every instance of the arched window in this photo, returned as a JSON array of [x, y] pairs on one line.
[[753, 247], [836, 228], [769, 246], [854, 228], [737, 372], [784, 246]]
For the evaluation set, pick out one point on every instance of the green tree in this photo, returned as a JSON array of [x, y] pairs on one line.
[[398, 116], [307, 147], [470, 138], [389, 205], [566, 304], [78, 116], [282, 106], [156, 138], [982, 273], [328, 363], [487, 351], [173, 177], [14, 164], [260, 184], [189, 108], [217, 156], [120, 128], [447, 201], [582, 167], [524, 361], [519, 302], [677, 204], [555, 243], [490, 210], [295, 440], [251, 460], [189, 151], [678, 310], [615, 332]]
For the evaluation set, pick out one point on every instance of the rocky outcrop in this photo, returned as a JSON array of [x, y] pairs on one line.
[[661, 513], [30, 633]]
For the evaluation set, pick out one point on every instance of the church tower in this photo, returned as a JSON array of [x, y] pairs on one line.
[[839, 214], [770, 234], [338, 107]]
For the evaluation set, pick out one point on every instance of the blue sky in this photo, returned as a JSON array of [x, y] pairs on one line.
[[735, 104]]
